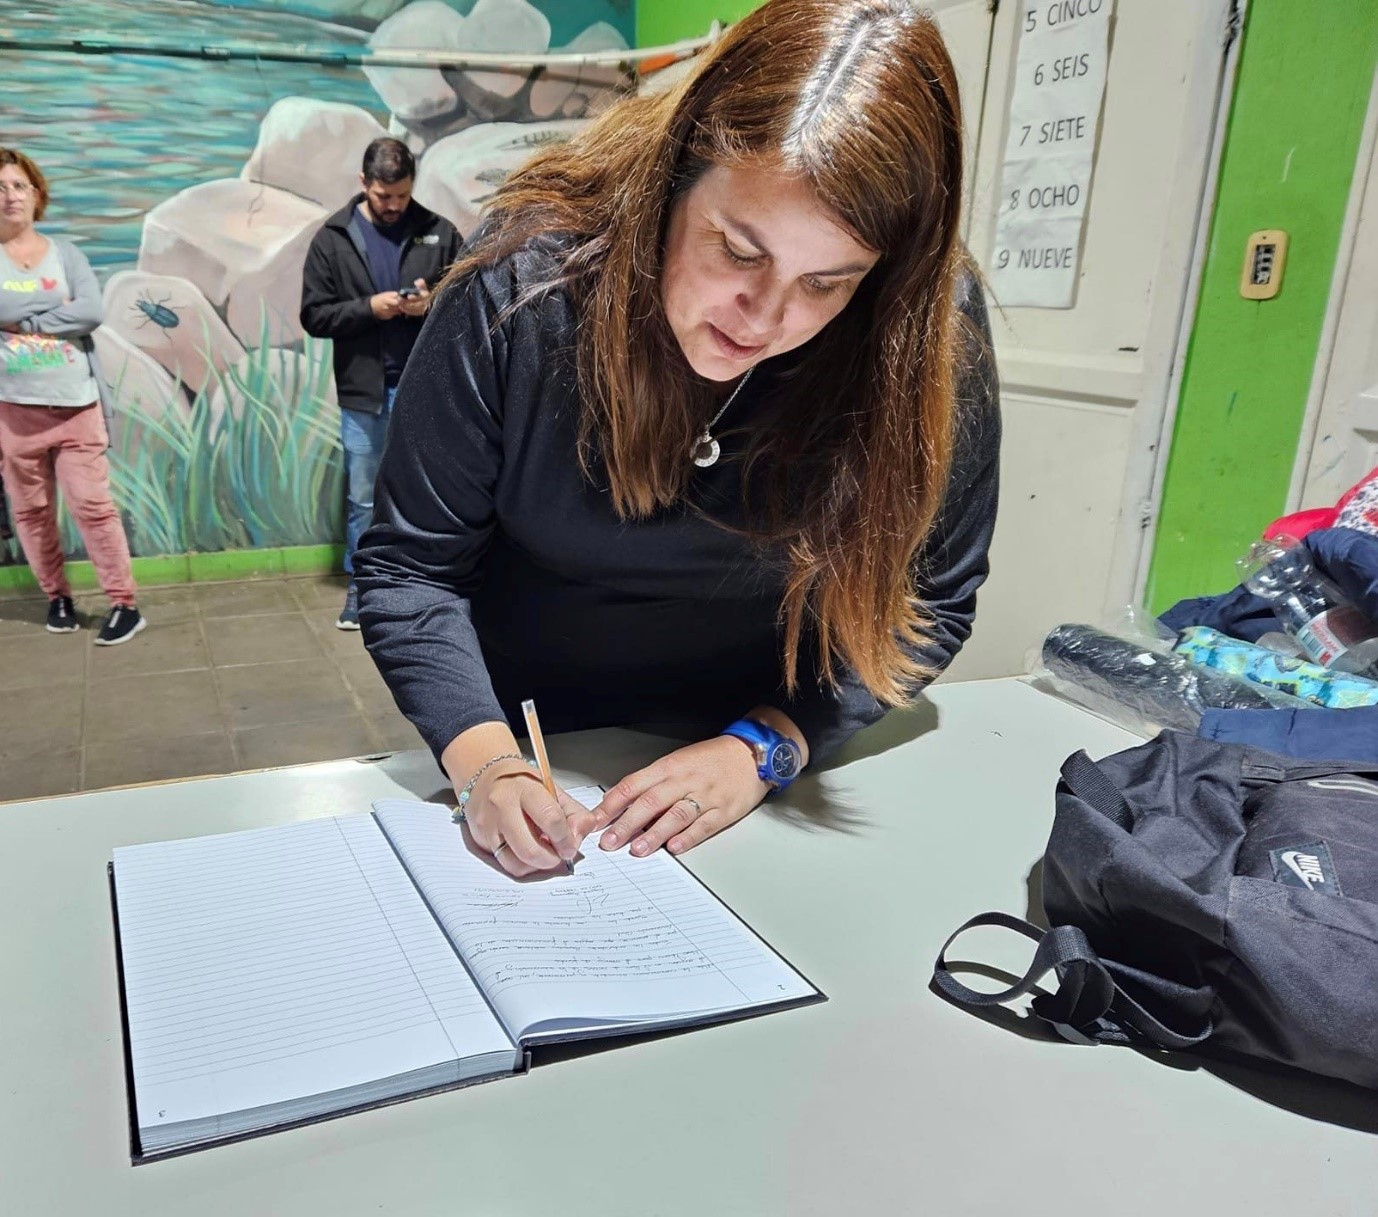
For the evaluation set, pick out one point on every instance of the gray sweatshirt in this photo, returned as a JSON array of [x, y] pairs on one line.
[[56, 305]]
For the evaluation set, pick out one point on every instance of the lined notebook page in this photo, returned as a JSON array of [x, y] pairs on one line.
[[264, 967], [622, 939]]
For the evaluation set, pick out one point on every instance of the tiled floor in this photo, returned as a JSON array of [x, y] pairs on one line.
[[228, 676]]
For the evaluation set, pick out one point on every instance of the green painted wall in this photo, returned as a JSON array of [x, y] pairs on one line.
[[1305, 74], [194, 568], [662, 21]]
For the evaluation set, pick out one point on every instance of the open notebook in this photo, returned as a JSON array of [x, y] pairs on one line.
[[283, 975]]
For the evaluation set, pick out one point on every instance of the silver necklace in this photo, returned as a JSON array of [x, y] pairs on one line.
[[706, 449], [24, 263]]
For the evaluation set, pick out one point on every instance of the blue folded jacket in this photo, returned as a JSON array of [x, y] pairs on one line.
[[1238, 613], [1322, 735]]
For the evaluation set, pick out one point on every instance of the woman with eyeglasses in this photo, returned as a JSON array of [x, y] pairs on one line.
[[52, 432], [702, 429]]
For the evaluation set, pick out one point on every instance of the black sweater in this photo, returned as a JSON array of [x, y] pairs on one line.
[[495, 570]]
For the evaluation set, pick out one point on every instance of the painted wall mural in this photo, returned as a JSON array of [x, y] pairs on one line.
[[195, 187]]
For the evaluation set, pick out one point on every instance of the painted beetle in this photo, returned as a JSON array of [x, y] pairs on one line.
[[157, 311]]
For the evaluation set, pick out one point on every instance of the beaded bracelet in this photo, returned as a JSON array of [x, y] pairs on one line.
[[467, 793]]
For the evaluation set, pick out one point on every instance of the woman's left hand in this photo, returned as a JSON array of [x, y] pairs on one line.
[[682, 799]]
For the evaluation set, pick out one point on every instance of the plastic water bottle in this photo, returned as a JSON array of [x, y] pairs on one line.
[[1331, 630]]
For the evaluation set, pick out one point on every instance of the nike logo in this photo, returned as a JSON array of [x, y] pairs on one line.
[[1306, 867]]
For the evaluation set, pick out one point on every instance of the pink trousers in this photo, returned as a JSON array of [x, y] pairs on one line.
[[43, 448]]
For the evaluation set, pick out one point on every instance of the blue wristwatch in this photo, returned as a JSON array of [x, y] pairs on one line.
[[778, 759]]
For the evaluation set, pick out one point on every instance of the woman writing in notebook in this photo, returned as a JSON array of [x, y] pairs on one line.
[[702, 428]]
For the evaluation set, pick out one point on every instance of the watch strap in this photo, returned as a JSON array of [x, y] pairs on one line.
[[764, 741]]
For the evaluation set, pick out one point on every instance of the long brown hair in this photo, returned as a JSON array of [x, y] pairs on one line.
[[859, 98]]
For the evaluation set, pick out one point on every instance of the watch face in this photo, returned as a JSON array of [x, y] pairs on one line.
[[784, 762]]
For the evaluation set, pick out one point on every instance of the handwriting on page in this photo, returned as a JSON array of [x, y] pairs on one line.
[[638, 932], [599, 923]]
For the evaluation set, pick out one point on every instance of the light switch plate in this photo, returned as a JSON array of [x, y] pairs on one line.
[[1265, 255]]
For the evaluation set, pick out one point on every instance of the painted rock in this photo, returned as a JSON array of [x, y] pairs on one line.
[[417, 94], [312, 149], [461, 172], [138, 385], [171, 322], [577, 92], [244, 245]]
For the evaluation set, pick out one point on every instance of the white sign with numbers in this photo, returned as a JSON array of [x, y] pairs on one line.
[[1064, 51]]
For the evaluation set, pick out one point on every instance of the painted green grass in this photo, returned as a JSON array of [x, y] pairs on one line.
[[253, 463]]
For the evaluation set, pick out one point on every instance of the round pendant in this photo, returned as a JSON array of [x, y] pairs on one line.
[[706, 451]]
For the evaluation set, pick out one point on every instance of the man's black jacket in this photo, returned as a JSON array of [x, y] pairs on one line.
[[336, 287]]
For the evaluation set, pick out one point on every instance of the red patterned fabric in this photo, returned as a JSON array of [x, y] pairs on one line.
[[1357, 508]]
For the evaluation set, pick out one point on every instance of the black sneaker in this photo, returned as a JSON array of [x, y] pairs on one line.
[[349, 615], [121, 624], [62, 616]]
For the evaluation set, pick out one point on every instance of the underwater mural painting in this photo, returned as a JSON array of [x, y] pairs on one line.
[[194, 186]]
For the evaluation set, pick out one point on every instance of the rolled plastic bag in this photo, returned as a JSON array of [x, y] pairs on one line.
[[1141, 688], [1307, 682]]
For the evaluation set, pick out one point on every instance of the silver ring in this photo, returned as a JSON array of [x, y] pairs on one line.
[[693, 802], [502, 845]]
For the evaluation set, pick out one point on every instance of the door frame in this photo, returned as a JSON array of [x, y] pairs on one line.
[[1152, 433], [1365, 180], [1154, 387]]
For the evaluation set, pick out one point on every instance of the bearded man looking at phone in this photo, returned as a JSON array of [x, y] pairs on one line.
[[366, 286]]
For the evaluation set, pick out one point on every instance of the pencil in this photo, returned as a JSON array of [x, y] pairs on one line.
[[533, 729]]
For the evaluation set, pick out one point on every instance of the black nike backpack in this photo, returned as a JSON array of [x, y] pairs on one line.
[[1212, 897]]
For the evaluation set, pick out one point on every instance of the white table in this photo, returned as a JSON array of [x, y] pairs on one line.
[[884, 1100]]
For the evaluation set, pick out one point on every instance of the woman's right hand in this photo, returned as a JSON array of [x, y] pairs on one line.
[[511, 816]]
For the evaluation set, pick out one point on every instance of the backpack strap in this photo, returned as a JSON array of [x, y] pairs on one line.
[[1087, 1006], [1085, 779]]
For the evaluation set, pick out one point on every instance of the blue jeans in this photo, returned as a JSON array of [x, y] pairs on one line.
[[363, 436]]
